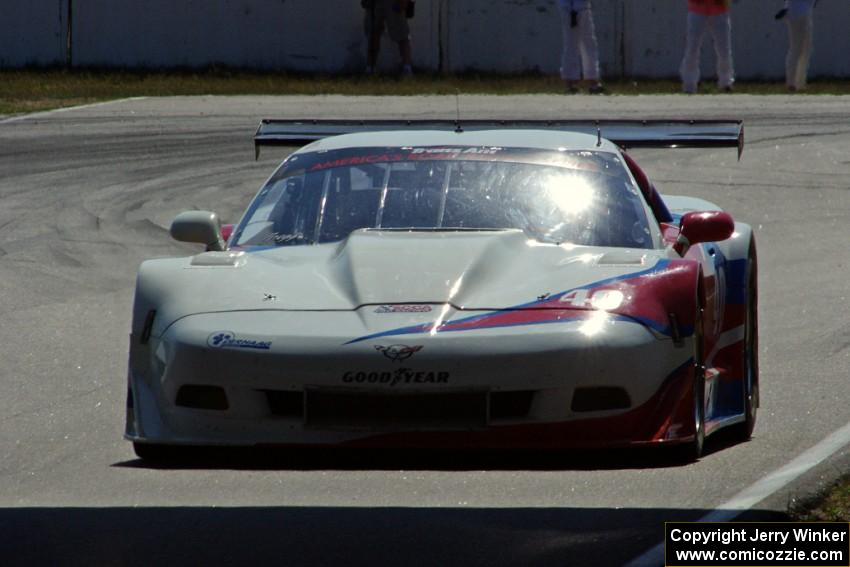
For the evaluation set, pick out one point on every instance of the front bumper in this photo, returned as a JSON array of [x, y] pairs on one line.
[[534, 387]]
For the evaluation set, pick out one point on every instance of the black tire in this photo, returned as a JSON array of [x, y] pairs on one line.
[[692, 450], [743, 431], [154, 452]]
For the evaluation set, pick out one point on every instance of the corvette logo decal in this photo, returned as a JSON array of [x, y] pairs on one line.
[[227, 339], [397, 353]]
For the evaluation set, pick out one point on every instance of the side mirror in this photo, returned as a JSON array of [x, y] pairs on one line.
[[706, 226], [203, 227]]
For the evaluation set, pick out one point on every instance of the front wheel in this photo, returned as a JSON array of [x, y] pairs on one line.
[[744, 430], [155, 452], [692, 450]]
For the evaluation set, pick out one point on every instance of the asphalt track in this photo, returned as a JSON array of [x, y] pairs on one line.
[[86, 194]]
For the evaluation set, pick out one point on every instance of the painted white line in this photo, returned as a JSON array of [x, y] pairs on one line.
[[67, 108], [760, 490]]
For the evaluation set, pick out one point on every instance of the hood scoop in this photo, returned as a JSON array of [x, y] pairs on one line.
[[422, 267], [227, 259], [623, 258]]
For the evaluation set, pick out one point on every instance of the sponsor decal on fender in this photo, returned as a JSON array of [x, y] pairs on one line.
[[227, 339], [398, 376]]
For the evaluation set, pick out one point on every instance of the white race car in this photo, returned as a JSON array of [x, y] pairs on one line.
[[429, 284]]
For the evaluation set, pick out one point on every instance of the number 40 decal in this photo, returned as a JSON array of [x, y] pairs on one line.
[[605, 299]]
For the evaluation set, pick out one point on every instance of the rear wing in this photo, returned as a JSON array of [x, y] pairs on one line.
[[624, 133]]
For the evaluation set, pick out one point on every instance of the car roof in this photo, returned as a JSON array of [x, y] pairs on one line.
[[507, 138]]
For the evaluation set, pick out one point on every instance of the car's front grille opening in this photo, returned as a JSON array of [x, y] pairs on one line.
[[510, 405], [202, 397], [600, 398], [355, 410], [285, 404]]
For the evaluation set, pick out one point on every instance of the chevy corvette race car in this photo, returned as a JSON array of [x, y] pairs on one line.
[[433, 284]]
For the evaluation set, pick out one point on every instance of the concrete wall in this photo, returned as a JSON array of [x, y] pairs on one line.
[[33, 32], [269, 34], [637, 38]]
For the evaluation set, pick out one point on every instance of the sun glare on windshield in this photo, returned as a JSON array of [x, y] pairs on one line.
[[572, 194]]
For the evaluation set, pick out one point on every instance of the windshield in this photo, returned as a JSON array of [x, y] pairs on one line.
[[584, 198]]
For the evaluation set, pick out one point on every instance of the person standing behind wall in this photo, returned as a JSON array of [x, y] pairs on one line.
[[712, 16], [798, 15], [393, 15], [580, 53]]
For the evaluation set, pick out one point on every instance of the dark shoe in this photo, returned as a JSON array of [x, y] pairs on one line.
[[596, 89]]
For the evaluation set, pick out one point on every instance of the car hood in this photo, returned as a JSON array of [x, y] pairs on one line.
[[475, 270]]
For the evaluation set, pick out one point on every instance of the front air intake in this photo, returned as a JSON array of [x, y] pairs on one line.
[[202, 397], [285, 403], [600, 398], [393, 411], [510, 405]]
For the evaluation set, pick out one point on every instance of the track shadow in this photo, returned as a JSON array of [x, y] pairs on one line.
[[296, 536]]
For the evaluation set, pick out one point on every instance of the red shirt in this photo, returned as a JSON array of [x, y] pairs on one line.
[[709, 7]]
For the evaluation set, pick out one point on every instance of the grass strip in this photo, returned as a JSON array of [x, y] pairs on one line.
[[831, 506], [31, 90]]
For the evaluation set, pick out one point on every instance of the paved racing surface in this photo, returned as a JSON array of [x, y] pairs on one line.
[[87, 194]]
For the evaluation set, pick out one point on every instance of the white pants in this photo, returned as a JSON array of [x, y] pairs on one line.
[[720, 28], [799, 50], [580, 53]]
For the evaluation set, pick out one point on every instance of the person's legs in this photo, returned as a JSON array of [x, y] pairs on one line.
[[399, 31], [792, 57], [589, 50], [570, 58], [689, 69], [405, 52], [374, 30], [806, 33], [374, 49], [721, 31]]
